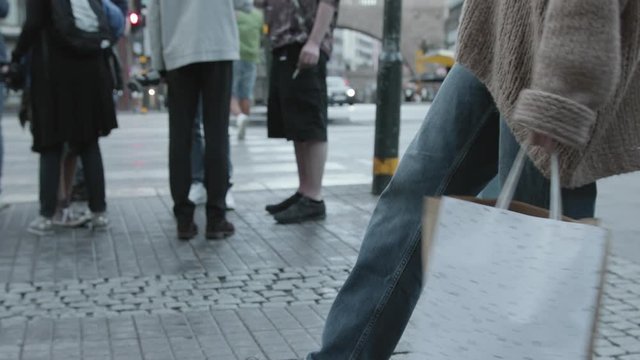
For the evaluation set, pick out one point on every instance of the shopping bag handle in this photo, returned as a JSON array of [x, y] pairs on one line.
[[510, 185]]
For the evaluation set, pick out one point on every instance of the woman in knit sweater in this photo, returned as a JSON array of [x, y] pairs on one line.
[[561, 74]]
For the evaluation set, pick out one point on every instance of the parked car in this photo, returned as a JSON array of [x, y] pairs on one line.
[[410, 92], [339, 92]]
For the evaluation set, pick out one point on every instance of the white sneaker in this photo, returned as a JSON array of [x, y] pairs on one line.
[[231, 202], [99, 222], [41, 226], [198, 194], [242, 126], [68, 218]]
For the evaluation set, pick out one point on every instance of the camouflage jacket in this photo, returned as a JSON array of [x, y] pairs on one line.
[[285, 22]]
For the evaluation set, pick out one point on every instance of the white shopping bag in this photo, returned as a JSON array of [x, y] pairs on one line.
[[508, 284]]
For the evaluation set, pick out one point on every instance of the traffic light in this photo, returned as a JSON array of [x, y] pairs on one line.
[[135, 21]]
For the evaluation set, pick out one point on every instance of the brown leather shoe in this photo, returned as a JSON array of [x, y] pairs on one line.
[[219, 228], [187, 230]]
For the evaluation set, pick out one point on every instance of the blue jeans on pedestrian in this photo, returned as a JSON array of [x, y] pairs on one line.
[[244, 79], [461, 146], [2, 96], [197, 150]]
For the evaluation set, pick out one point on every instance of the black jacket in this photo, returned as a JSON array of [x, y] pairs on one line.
[[71, 94]]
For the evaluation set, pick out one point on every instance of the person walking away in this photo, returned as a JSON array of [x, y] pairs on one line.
[[301, 34], [560, 74], [195, 43], [250, 21], [4, 11], [71, 97]]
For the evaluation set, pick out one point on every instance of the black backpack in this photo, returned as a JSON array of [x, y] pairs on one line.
[[66, 31]]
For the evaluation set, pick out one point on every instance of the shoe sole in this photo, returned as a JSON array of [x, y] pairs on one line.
[[301, 220], [274, 212], [72, 225], [219, 235], [188, 235]]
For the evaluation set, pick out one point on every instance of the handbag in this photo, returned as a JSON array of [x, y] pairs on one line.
[[510, 281]]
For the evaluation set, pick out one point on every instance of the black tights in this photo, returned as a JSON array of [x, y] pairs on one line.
[[50, 176]]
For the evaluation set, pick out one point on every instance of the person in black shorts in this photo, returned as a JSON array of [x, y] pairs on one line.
[[301, 33]]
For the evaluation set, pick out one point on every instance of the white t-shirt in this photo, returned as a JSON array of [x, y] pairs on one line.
[[86, 19]]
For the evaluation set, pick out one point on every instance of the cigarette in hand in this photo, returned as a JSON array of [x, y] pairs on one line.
[[295, 74]]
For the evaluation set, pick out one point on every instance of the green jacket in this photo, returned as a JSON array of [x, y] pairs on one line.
[[249, 29]]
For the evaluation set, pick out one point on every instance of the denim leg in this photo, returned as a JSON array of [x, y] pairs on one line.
[[1, 140], [534, 188], [197, 148], [454, 152]]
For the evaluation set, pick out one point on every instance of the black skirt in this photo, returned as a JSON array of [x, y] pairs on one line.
[[71, 97]]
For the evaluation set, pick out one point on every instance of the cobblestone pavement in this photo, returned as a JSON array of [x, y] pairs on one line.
[[135, 292]]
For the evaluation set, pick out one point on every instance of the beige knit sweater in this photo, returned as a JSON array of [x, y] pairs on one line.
[[566, 68]]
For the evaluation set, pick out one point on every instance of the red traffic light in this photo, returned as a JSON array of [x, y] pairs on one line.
[[134, 19]]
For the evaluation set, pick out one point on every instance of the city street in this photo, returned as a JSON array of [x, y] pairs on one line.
[[135, 292]]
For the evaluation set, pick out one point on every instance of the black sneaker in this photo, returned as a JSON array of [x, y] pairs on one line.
[[276, 208], [219, 228], [187, 230], [303, 210]]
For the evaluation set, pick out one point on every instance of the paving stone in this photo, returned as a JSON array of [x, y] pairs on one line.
[[176, 305], [232, 284], [610, 351], [236, 278], [272, 294], [123, 307], [82, 305], [283, 286], [181, 285], [289, 275], [206, 286]]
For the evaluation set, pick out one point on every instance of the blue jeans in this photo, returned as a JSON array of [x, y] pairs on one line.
[[460, 147], [2, 96], [197, 150], [244, 79]]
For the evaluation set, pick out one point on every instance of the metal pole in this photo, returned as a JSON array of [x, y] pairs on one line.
[[389, 90]]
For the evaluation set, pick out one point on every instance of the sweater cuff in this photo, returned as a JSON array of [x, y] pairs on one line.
[[563, 119]]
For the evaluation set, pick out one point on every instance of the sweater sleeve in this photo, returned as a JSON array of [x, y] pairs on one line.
[[576, 70], [154, 21]]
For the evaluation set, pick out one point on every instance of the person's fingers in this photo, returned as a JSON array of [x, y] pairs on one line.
[[543, 141], [308, 60]]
